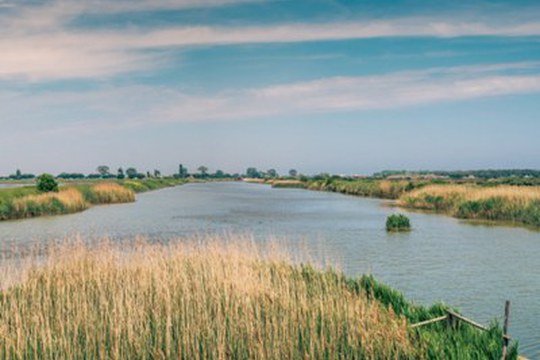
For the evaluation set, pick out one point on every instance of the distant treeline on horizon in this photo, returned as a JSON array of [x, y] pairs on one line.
[[104, 172], [461, 174]]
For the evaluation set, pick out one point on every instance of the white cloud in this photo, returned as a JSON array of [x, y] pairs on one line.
[[142, 106], [38, 44]]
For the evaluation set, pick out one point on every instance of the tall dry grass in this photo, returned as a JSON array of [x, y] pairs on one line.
[[111, 193], [67, 200], [191, 301], [519, 204], [27, 202]]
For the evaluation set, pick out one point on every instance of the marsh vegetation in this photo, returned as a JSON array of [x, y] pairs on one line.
[[29, 201], [213, 298]]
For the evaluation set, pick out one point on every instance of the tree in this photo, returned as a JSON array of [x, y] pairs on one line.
[[131, 173], [182, 171], [219, 174], [46, 183], [252, 173], [18, 174], [157, 173], [103, 170], [272, 173], [120, 174], [203, 170], [293, 173]]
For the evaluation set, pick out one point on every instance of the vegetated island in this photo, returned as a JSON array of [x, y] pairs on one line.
[[215, 298], [513, 197]]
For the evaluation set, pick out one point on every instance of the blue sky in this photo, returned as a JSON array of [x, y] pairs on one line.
[[321, 86]]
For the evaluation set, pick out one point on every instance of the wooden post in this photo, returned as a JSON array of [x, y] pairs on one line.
[[452, 320], [505, 329]]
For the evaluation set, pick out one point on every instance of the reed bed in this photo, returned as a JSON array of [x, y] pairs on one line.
[[111, 193], [212, 300], [67, 200], [293, 184], [506, 203], [143, 185], [27, 202], [384, 189]]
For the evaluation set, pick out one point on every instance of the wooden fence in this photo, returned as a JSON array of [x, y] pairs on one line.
[[453, 318]]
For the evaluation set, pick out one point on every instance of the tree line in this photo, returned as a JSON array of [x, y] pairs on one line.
[[202, 172]]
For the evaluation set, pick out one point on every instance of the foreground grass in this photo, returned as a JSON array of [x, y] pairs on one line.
[[214, 300], [520, 205]]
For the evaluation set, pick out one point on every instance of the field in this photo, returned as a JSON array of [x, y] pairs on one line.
[[212, 298]]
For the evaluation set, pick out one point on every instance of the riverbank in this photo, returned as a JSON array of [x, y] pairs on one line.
[[216, 298], [26, 202], [510, 204], [517, 205]]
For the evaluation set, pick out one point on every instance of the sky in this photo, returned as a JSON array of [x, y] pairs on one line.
[[347, 87]]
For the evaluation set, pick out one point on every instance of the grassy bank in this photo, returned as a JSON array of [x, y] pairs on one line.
[[144, 185], [27, 202], [384, 189], [519, 205], [216, 299]]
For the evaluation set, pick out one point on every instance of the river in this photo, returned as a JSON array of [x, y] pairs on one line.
[[473, 267]]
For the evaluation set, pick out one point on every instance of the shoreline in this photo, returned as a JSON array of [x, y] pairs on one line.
[[494, 209], [24, 202]]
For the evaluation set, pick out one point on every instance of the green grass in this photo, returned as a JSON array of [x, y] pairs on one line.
[[398, 222], [384, 189], [144, 185], [439, 340], [7, 196]]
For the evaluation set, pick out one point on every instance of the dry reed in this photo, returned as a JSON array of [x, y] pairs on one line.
[[190, 300], [519, 204], [111, 193]]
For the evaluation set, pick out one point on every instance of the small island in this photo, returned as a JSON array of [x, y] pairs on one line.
[[398, 223]]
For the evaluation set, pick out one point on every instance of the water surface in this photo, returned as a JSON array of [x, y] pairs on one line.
[[473, 267]]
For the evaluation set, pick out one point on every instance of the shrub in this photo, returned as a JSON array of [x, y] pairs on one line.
[[398, 222], [46, 183]]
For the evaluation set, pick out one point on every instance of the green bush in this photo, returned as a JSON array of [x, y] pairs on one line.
[[398, 222], [46, 183]]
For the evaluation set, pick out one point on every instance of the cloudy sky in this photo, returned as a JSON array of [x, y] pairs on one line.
[[318, 85]]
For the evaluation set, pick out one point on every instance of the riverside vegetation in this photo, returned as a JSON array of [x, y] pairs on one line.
[[27, 201], [514, 204], [483, 200], [398, 222], [213, 298]]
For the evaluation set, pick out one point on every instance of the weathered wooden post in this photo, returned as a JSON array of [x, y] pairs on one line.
[[452, 320], [505, 329]]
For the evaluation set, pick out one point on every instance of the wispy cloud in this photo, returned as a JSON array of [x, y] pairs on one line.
[[39, 44], [141, 106]]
